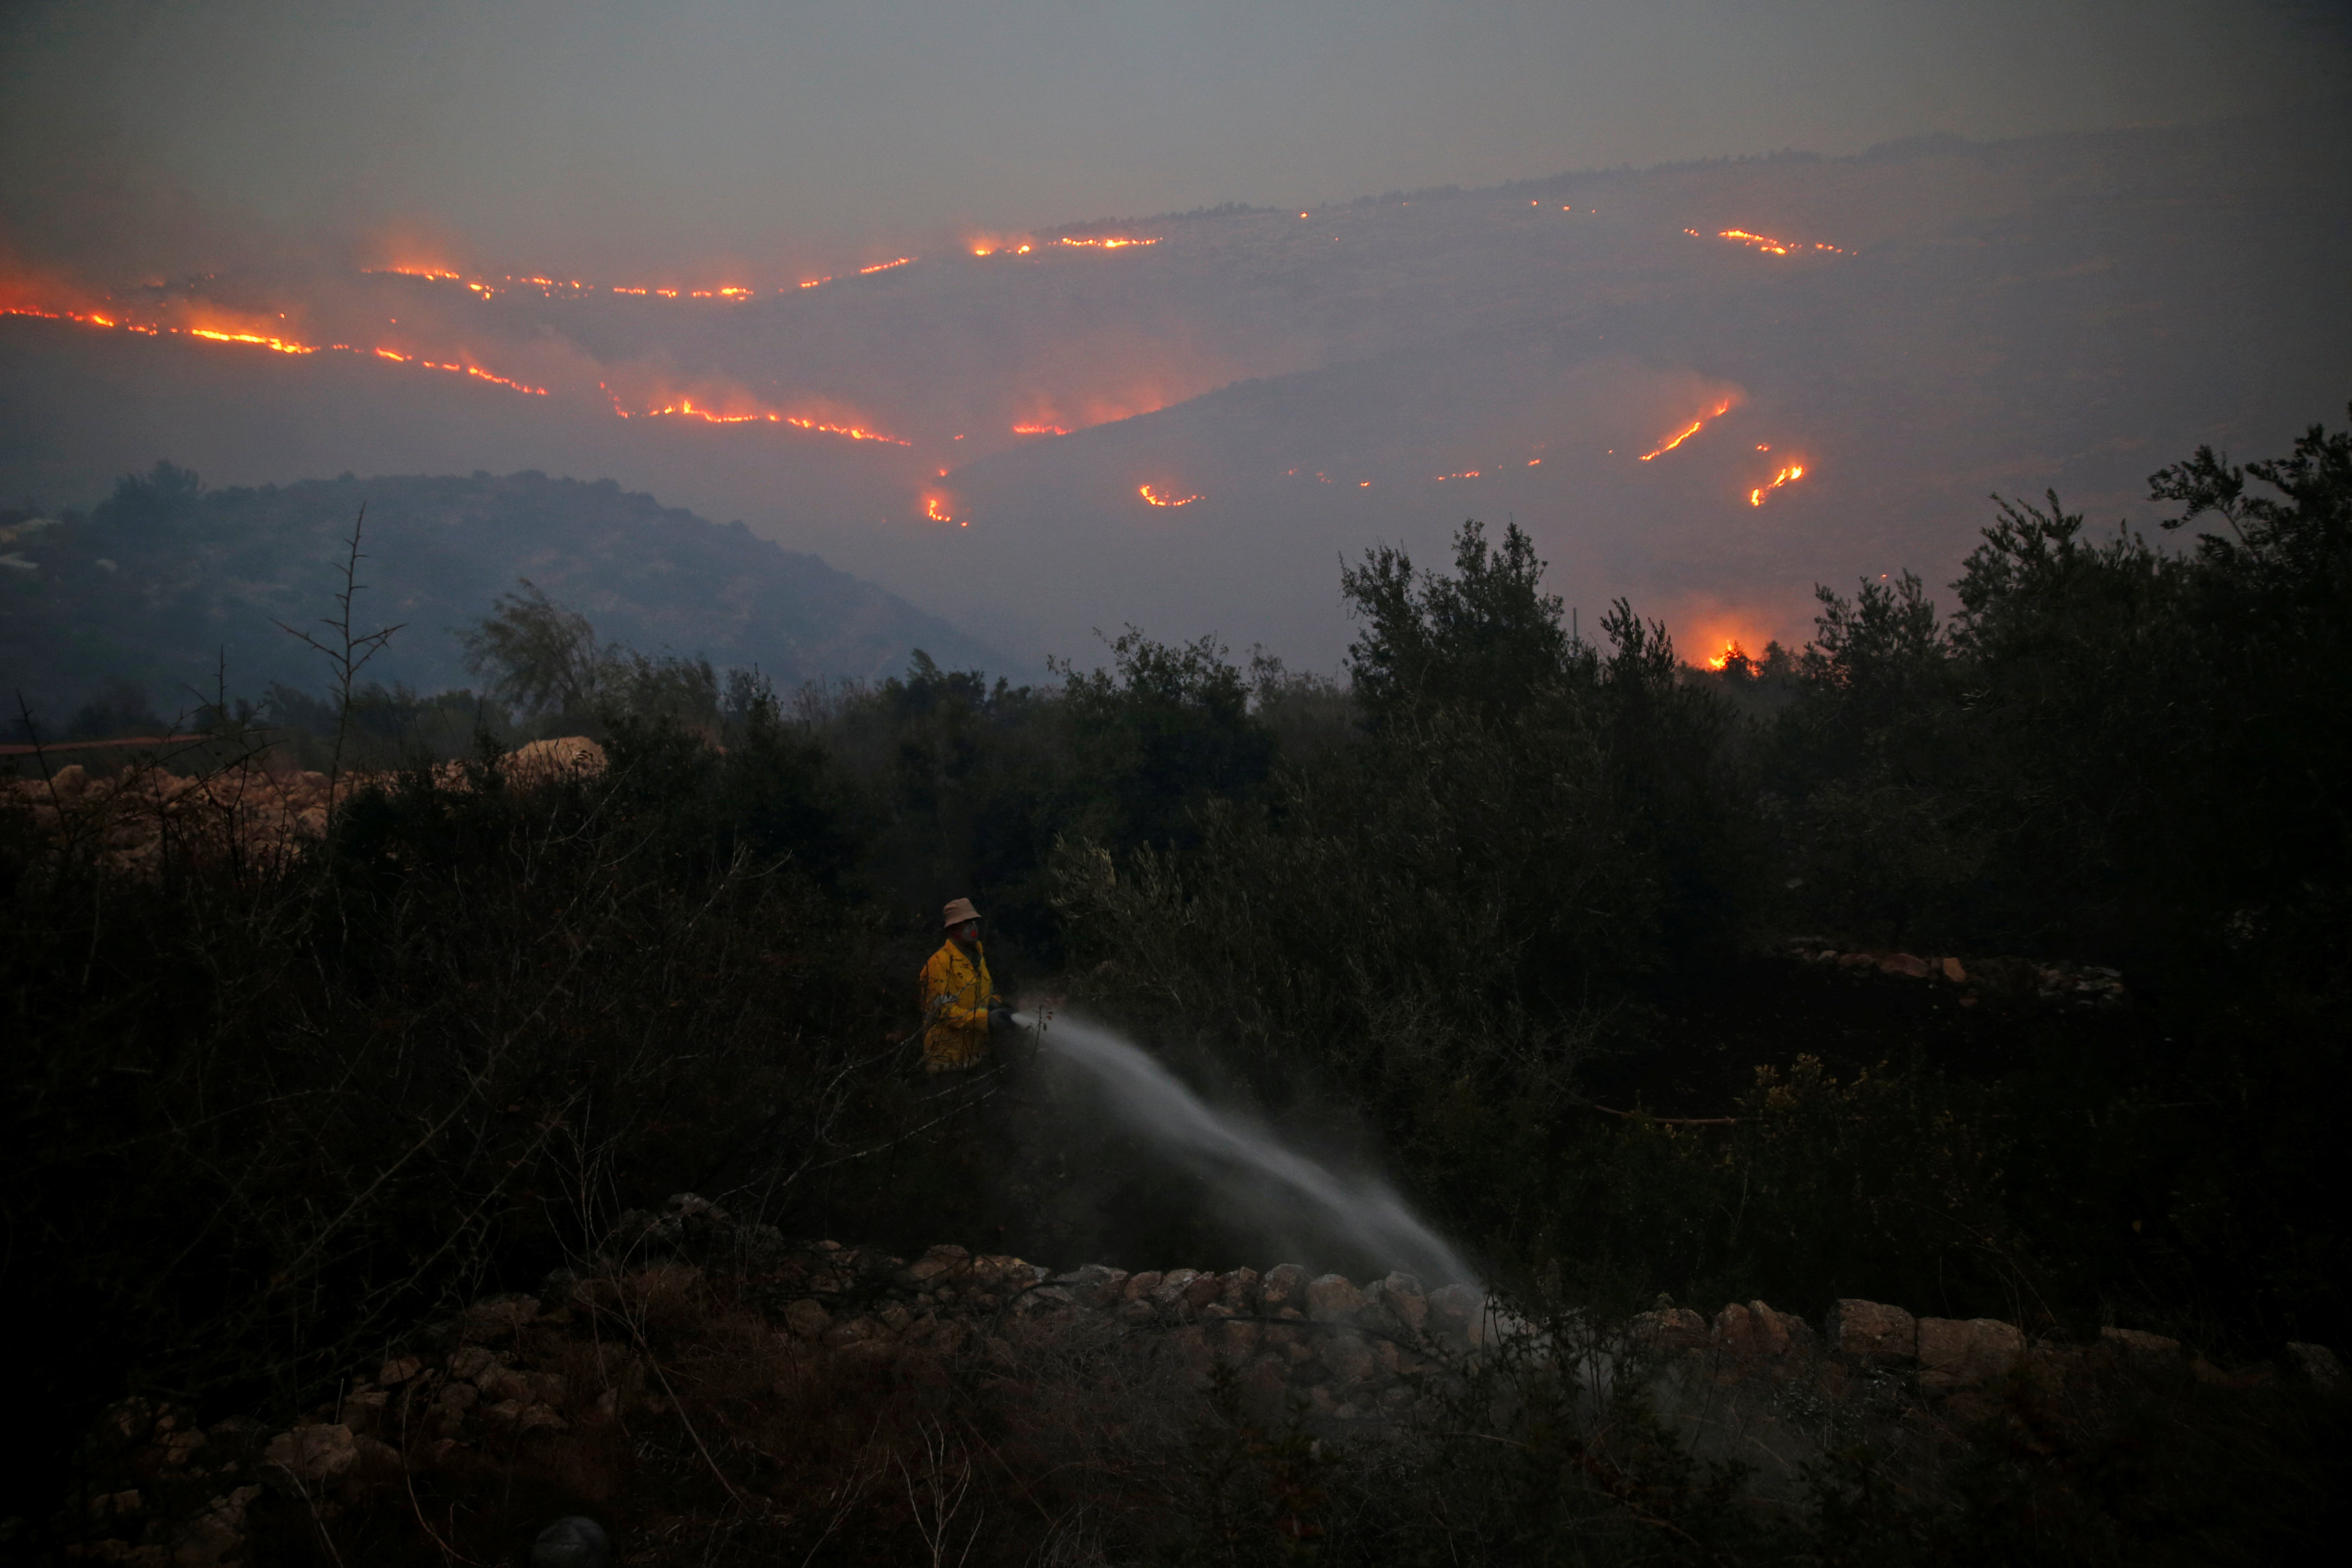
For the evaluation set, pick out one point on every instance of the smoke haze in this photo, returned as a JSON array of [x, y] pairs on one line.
[[832, 271]]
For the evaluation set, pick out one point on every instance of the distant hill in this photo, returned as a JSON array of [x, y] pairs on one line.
[[165, 584]]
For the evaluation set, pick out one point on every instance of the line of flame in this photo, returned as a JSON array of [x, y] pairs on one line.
[[1688, 431], [263, 341], [1157, 499], [1792, 471]]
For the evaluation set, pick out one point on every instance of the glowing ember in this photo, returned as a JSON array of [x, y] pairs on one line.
[[279, 344], [1157, 499], [1467, 474], [1038, 430], [1770, 246], [813, 282], [685, 408], [1111, 244], [885, 265], [936, 509], [1687, 432], [1792, 472]]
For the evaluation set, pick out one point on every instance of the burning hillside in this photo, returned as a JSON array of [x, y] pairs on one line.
[[1568, 354]]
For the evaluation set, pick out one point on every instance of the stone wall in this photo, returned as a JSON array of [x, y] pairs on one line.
[[516, 1381]]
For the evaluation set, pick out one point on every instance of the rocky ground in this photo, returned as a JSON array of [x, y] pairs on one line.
[[701, 1379], [250, 808]]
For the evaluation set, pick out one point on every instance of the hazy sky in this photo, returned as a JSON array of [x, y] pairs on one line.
[[760, 138]]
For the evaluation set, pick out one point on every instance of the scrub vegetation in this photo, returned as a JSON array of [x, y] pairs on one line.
[[1505, 908]]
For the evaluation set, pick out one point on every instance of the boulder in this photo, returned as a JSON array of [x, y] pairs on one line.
[[1282, 1287], [1954, 1353], [1955, 971], [1400, 1297], [1241, 1289], [808, 1319], [1333, 1298], [938, 1263], [1350, 1359], [1872, 1331], [1168, 1294], [1205, 1290], [1670, 1328], [2317, 1366], [2141, 1345], [312, 1454], [1903, 964], [1755, 1330], [1140, 1286], [1458, 1311], [1095, 1285]]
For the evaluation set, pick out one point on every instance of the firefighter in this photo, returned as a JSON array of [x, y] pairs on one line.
[[960, 1002]]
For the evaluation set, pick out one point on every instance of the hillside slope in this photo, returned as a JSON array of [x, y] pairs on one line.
[[168, 587]]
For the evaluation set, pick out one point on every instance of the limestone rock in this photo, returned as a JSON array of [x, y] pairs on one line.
[[2317, 1366], [1282, 1287], [1168, 1294], [312, 1454], [938, 1262], [1954, 1353], [1240, 1289], [2140, 1345], [1349, 1357], [808, 1319], [1333, 1298], [1670, 1328], [1400, 1297], [1458, 1311], [1872, 1331]]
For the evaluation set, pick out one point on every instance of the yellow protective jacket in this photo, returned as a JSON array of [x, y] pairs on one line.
[[957, 995]]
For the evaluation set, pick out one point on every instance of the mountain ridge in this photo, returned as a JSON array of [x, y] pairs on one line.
[[165, 586]]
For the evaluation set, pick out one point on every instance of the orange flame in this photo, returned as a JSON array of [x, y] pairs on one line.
[[685, 408], [885, 265], [1731, 650], [813, 282], [1769, 245], [1157, 499], [1794, 471], [1039, 430], [1467, 474], [1108, 244], [1693, 428], [935, 506]]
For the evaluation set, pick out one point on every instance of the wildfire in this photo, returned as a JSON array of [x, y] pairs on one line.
[[1730, 650], [278, 345], [1770, 246], [1110, 244], [1000, 245], [1157, 499], [936, 509], [813, 282], [1039, 430], [885, 265], [432, 272], [269, 341], [685, 408], [1687, 432], [1467, 474], [1789, 475]]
